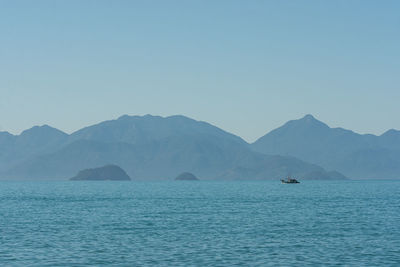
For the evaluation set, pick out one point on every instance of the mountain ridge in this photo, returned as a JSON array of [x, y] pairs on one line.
[[154, 147], [187, 144], [334, 148]]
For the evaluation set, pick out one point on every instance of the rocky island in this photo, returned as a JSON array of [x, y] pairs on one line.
[[186, 176], [105, 173]]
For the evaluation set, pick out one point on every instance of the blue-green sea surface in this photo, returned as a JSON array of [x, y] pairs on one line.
[[351, 223]]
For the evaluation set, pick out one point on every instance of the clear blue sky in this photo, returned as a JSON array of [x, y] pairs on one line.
[[245, 66]]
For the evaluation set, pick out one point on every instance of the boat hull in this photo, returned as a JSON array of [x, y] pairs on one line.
[[291, 181]]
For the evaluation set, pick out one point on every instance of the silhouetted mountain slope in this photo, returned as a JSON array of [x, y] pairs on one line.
[[144, 129], [390, 139], [31, 142], [163, 159], [355, 155], [6, 138], [39, 139], [6, 142], [260, 167], [186, 176], [151, 147]]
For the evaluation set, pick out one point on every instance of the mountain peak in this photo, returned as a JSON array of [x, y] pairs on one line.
[[124, 117], [149, 128], [309, 117], [391, 132], [290, 134], [5, 133], [42, 129], [311, 121]]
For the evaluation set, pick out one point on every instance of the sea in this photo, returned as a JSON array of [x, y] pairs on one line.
[[200, 223]]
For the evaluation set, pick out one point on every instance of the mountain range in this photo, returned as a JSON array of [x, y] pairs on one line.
[[153, 147], [359, 156]]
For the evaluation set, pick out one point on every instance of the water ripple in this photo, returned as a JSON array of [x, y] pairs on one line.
[[200, 224]]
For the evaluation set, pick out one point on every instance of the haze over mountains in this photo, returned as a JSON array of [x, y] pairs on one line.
[[147, 147], [360, 156], [153, 147]]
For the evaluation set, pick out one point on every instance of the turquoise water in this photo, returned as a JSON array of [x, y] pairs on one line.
[[200, 223]]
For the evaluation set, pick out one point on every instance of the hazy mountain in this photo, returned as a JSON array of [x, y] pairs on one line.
[[186, 176], [31, 142], [6, 142], [39, 139], [148, 128], [355, 155], [208, 157], [390, 139], [6, 138], [151, 147]]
